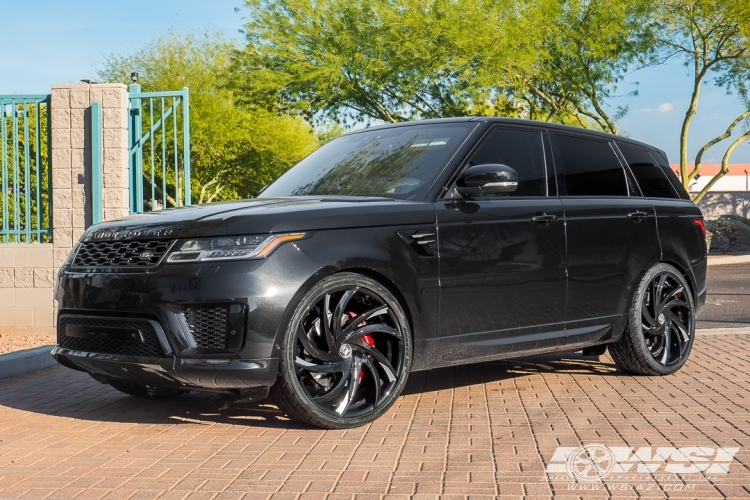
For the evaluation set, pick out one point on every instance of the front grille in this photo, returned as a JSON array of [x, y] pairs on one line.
[[121, 254], [208, 325], [104, 344]]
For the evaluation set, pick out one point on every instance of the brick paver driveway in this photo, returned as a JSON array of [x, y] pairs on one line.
[[473, 431]]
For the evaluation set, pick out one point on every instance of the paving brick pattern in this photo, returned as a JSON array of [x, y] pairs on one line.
[[476, 431]]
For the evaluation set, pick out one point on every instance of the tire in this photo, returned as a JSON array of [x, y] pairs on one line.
[[145, 391], [660, 333], [345, 373]]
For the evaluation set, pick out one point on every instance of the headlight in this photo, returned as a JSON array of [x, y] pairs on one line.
[[230, 248]]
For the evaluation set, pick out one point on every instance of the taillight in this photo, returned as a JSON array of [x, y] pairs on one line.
[[701, 225]]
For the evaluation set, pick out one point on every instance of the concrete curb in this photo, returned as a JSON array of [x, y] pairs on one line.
[[723, 331], [734, 259], [29, 360]]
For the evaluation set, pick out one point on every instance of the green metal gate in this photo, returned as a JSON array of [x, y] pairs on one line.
[[159, 149], [26, 175]]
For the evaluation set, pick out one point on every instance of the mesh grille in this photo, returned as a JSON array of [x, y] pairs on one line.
[[103, 344], [208, 325], [119, 254]]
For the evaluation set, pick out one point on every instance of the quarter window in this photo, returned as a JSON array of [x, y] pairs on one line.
[[521, 150], [651, 179], [590, 167]]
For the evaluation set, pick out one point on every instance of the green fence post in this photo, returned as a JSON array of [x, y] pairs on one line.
[[97, 202], [186, 142], [136, 153]]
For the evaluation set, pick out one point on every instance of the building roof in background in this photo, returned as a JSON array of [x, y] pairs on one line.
[[710, 169]]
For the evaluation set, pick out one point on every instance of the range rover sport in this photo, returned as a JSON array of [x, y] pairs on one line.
[[389, 250]]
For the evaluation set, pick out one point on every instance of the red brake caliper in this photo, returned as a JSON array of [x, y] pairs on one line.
[[367, 339]]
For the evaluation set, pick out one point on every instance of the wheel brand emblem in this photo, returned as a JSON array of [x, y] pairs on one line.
[[146, 255], [592, 462], [661, 319], [345, 351]]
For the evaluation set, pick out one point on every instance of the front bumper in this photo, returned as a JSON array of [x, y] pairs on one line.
[[264, 290], [196, 374]]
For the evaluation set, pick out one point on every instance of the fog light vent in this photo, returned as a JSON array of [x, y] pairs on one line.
[[208, 325]]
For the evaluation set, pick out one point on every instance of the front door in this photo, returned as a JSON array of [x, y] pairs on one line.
[[502, 257]]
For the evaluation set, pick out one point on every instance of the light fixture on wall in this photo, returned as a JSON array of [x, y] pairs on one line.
[[134, 77]]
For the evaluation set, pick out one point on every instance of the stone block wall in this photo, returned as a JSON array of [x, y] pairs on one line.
[[27, 271]]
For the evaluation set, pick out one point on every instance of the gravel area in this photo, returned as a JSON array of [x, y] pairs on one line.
[[12, 343]]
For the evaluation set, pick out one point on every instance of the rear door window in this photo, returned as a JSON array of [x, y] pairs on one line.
[[521, 150], [590, 167], [648, 174], [676, 184]]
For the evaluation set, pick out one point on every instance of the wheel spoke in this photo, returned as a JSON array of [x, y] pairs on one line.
[[671, 294], [339, 312], [311, 349], [375, 311], [353, 385], [674, 303], [341, 366], [667, 342], [390, 372], [334, 392], [374, 328], [375, 378], [649, 317], [677, 322], [657, 299], [326, 319]]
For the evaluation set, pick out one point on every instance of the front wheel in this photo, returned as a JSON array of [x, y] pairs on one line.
[[346, 354], [661, 325]]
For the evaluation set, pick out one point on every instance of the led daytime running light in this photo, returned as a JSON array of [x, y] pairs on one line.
[[205, 250]]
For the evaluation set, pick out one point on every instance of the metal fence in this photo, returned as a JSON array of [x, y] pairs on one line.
[[159, 149], [26, 174]]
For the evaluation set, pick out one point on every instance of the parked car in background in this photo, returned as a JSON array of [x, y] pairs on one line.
[[389, 250]]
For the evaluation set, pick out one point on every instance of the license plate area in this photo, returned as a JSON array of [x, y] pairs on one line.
[[128, 335]]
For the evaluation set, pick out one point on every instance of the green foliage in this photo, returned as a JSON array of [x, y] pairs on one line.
[[235, 150], [23, 177], [388, 60], [713, 38], [729, 233]]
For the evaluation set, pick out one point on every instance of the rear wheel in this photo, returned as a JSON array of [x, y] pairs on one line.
[[661, 325], [346, 354], [145, 391]]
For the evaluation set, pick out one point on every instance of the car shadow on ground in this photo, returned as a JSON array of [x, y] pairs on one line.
[[60, 392]]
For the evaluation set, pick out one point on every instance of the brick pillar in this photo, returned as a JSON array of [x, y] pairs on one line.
[[71, 159]]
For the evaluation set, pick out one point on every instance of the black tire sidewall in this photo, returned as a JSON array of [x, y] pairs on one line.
[[634, 321], [288, 373]]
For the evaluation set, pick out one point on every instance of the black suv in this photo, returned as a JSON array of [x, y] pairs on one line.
[[392, 249]]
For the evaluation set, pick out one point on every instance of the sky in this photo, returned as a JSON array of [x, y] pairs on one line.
[[44, 42]]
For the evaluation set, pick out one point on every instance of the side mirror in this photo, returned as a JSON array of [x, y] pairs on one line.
[[489, 178]]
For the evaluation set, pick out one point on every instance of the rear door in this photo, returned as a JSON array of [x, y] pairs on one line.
[[611, 236], [502, 257]]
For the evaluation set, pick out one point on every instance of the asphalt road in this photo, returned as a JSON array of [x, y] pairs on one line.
[[728, 301]]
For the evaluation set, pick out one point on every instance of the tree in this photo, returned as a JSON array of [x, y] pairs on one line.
[[713, 37], [387, 60], [235, 150]]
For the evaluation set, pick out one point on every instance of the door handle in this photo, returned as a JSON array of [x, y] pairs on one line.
[[544, 218], [637, 216]]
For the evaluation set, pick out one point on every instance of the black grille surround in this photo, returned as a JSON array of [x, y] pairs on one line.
[[103, 344], [209, 325], [141, 254]]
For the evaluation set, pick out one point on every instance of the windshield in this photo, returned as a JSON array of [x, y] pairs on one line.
[[398, 162]]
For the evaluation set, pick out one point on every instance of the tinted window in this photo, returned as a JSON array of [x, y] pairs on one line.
[[590, 167], [671, 177], [522, 151], [650, 177], [398, 162]]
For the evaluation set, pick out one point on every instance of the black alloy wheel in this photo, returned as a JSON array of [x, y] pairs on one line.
[[661, 326], [347, 354]]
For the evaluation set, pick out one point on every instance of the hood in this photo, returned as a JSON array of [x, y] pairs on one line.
[[263, 216]]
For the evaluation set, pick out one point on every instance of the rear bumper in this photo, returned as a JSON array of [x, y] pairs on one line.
[[197, 374]]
